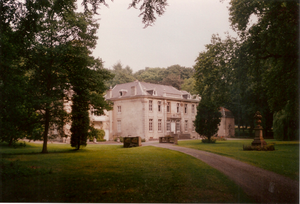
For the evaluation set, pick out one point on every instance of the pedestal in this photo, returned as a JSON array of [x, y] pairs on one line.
[[258, 139]]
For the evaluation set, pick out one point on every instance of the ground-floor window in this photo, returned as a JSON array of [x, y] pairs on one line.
[[168, 126], [185, 125], [119, 125], [159, 125], [150, 125]]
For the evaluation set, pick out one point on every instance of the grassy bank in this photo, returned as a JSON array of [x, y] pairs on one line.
[[110, 173], [284, 160]]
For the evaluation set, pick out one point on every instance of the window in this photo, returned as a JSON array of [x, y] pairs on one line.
[[150, 125], [159, 125], [119, 109], [178, 126], [121, 93], [119, 125], [185, 125], [168, 126], [178, 105], [150, 105], [193, 108], [168, 107], [159, 106], [185, 108]]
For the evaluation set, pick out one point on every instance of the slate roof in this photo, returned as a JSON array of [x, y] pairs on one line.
[[147, 89]]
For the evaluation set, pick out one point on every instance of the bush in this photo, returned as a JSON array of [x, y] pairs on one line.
[[96, 133], [269, 147], [212, 140]]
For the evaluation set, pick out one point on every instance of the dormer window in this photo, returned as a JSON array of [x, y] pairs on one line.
[[151, 92], [122, 92], [186, 96]]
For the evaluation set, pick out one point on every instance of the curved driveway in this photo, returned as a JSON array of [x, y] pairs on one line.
[[262, 185]]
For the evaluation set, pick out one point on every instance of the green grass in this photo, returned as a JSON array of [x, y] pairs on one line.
[[111, 173], [284, 160]]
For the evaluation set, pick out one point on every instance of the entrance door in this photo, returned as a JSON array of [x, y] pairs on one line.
[[173, 126]]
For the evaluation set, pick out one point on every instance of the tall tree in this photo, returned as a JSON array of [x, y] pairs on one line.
[[207, 119], [272, 50], [17, 116]]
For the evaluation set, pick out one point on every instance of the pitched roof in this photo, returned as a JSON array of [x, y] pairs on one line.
[[147, 89]]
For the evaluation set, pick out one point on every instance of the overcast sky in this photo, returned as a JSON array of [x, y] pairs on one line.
[[177, 37]]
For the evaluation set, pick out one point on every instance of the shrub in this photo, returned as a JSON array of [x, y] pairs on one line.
[[212, 140], [96, 133], [269, 147]]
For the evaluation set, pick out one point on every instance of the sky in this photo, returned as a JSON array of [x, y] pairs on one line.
[[177, 37]]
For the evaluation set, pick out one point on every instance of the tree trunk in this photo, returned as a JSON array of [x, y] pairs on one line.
[[47, 121]]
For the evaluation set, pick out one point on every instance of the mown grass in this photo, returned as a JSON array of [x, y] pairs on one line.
[[111, 173], [284, 160]]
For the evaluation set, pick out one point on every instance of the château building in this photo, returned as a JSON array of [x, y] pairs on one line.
[[151, 111]]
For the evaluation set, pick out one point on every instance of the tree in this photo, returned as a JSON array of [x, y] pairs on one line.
[[213, 73], [35, 38], [150, 75], [17, 116], [207, 119], [121, 75], [189, 85], [271, 45]]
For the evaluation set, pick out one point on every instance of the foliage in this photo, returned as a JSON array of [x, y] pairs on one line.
[[171, 76], [207, 120], [96, 133], [269, 147], [121, 75], [80, 121], [206, 140], [283, 125], [189, 85], [36, 37], [271, 48]]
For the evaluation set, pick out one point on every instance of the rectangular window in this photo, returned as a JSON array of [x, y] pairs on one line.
[[193, 108], [178, 105], [185, 108], [119, 109], [150, 125], [168, 107], [168, 126], [119, 125], [178, 126], [159, 106], [185, 125], [159, 125], [150, 105]]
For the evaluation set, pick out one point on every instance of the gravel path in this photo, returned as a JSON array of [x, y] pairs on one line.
[[262, 185]]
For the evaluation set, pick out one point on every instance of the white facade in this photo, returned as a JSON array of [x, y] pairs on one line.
[[151, 111]]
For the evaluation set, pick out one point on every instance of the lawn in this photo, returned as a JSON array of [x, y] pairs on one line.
[[284, 160], [110, 173]]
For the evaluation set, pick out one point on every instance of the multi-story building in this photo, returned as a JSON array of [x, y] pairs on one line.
[[151, 111]]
